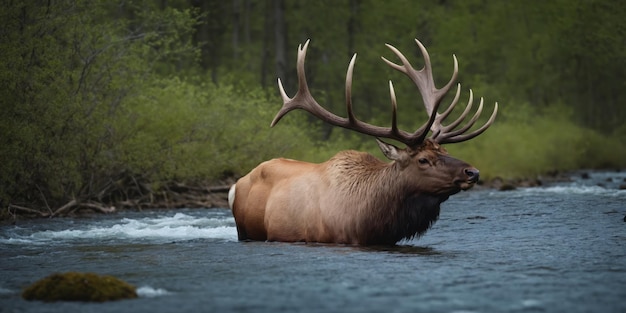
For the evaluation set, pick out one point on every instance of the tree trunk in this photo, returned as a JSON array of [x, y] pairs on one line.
[[267, 43], [352, 25], [236, 28], [209, 34], [280, 40]]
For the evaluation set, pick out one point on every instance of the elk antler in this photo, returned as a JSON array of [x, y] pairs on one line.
[[423, 79], [432, 96]]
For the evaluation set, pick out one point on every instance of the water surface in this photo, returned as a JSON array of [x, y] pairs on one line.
[[558, 248]]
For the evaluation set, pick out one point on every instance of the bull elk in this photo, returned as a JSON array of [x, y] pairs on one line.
[[355, 198]]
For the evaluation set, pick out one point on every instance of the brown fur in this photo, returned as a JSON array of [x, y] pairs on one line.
[[353, 198]]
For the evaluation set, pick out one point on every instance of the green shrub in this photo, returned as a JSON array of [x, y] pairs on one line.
[[180, 130]]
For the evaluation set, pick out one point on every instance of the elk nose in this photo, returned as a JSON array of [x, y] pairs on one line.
[[472, 174]]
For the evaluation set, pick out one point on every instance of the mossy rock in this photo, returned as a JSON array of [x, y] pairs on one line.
[[74, 286]]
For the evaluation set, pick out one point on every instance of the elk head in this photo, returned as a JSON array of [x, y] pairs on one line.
[[424, 164]]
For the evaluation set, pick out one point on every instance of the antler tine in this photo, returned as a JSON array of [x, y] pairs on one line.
[[303, 89], [394, 110], [351, 116], [303, 98], [465, 137], [305, 101], [452, 105], [425, 83], [449, 132], [423, 78], [439, 93], [444, 115], [437, 127]]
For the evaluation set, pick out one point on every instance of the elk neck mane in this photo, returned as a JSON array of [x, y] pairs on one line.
[[391, 210]]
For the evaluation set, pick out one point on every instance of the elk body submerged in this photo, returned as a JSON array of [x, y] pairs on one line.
[[355, 198]]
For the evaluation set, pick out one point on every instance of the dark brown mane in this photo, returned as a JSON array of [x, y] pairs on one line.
[[397, 214], [393, 213], [415, 215]]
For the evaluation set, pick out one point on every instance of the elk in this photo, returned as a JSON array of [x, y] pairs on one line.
[[354, 198]]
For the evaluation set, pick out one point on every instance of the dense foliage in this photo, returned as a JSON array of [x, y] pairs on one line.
[[97, 95]]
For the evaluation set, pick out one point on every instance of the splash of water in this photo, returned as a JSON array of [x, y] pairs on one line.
[[150, 292], [175, 226]]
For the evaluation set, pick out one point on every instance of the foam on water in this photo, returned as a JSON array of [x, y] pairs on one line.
[[578, 190], [5, 291], [178, 226], [150, 292]]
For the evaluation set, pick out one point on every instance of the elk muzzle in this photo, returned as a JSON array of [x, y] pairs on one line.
[[470, 177]]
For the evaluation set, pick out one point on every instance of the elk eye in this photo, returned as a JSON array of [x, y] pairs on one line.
[[423, 161]]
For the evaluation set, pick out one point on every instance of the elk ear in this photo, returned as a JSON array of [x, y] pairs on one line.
[[390, 151]]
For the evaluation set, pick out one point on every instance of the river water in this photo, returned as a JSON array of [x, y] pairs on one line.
[[557, 248]]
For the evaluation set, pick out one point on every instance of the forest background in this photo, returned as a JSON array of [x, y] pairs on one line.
[[123, 103]]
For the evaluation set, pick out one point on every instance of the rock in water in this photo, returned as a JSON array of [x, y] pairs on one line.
[[72, 286]]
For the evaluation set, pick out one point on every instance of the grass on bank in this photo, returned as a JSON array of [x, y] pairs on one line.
[[204, 131]]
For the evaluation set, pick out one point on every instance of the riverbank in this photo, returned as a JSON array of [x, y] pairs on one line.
[[501, 184], [137, 196], [214, 194]]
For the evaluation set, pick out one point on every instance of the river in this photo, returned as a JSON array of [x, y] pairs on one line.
[[555, 248]]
